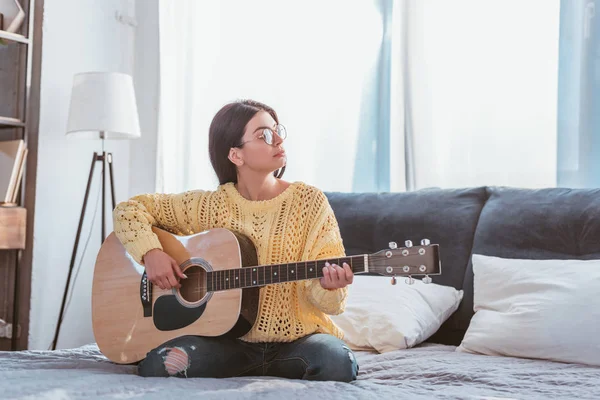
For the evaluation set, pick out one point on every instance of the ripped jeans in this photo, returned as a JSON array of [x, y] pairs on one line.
[[319, 357]]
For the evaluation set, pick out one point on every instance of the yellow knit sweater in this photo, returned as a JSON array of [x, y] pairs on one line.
[[297, 225]]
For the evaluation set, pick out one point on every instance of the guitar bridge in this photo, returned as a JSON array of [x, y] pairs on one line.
[[146, 295]]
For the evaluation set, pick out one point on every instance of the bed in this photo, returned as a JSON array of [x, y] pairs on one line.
[[424, 372], [529, 228]]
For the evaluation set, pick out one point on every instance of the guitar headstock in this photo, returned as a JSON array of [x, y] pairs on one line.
[[407, 261]]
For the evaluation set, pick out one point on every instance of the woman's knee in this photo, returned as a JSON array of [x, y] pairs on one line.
[[164, 362], [335, 362], [340, 365], [170, 359]]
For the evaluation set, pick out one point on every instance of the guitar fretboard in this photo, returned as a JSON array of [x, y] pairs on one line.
[[277, 273]]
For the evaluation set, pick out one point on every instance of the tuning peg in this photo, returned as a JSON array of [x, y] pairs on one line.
[[393, 245], [426, 279], [410, 280], [425, 242], [407, 243], [393, 280]]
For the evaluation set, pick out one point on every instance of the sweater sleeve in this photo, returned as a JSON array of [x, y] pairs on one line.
[[328, 244], [181, 213]]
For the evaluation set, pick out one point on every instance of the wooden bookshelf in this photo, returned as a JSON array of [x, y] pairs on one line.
[[20, 76], [13, 37], [6, 122]]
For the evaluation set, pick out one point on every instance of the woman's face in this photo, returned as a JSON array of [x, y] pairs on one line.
[[255, 153]]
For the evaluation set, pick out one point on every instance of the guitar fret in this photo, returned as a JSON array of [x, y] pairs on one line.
[[306, 270], [275, 273], [257, 276]]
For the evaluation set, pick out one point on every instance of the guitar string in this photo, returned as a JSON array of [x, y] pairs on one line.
[[359, 263]]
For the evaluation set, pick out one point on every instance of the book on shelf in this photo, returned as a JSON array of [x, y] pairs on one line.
[[13, 15], [13, 154]]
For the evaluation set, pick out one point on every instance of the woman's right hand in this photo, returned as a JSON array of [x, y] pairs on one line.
[[162, 270]]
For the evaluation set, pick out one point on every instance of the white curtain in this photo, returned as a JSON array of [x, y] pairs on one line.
[[482, 93], [377, 95], [324, 66]]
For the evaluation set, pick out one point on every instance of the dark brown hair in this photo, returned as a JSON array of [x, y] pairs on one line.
[[226, 131]]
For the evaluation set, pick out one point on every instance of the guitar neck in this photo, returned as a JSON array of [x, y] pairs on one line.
[[240, 278]]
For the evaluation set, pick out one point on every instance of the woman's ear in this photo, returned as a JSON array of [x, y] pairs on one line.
[[235, 157]]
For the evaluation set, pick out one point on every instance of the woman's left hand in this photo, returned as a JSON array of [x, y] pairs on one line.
[[336, 277]]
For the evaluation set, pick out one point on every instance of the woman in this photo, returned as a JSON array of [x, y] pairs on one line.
[[292, 337]]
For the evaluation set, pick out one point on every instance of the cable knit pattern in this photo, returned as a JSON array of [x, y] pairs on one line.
[[297, 225]]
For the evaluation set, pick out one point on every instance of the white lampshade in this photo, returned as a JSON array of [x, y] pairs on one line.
[[103, 102]]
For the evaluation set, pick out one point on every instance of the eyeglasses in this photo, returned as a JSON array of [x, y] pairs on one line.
[[267, 135]]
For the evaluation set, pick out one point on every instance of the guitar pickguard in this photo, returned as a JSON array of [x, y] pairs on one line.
[[168, 313]]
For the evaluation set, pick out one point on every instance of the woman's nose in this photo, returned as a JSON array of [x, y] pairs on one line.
[[277, 140]]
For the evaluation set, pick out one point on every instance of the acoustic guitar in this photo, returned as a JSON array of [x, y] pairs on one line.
[[220, 297]]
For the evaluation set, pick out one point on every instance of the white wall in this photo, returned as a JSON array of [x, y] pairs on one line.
[[79, 35], [484, 78], [143, 152]]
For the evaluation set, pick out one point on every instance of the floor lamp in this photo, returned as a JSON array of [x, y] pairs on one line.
[[103, 106]]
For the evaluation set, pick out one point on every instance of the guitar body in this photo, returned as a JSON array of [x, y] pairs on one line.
[[130, 316]]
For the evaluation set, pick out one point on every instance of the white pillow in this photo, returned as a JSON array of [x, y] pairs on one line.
[[542, 309], [384, 317]]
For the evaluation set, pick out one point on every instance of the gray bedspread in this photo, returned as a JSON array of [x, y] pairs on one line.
[[428, 371]]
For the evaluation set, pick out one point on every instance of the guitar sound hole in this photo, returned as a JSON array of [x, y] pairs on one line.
[[193, 288]]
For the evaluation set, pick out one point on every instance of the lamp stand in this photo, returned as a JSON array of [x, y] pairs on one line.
[[105, 158]]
